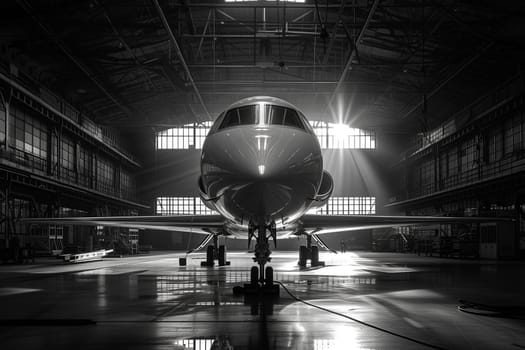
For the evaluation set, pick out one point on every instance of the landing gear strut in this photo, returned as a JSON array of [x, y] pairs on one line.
[[309, 252], [215, 252], [261, 277]]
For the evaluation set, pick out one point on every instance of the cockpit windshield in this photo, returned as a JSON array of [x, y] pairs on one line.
[[262, 115], [240, 116]]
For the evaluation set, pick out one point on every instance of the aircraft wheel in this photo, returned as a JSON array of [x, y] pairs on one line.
[[222, 255], [269, 276], [303, 254], [254, 276], [209, 255], [315, 256]]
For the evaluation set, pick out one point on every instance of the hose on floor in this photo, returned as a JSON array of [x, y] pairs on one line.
[[432, 346]]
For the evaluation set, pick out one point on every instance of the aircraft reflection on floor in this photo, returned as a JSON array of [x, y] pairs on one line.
[[151, 302], [192, 282], [344, 338]]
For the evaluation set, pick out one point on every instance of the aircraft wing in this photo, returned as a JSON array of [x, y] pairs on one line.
[[204, 224], [320, 224]]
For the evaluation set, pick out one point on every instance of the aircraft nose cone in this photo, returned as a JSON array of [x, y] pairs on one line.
[[263, 152], [256, 172], [249, 154], [267, 154]]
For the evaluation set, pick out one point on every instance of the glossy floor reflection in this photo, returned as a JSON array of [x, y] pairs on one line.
[[358, 301]]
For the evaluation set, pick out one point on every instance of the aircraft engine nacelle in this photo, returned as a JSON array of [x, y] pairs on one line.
[[205, 197], [325, 190]]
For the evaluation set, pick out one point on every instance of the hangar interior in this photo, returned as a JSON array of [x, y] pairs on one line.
[[105, 107], [418, 105]]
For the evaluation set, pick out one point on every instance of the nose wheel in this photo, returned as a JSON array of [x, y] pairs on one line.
[[258, 286], [268, 276]]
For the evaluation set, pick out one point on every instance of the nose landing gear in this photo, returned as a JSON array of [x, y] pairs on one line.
[[261, 277]]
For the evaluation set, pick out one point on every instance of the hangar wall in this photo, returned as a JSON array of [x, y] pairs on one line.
[[473, 164], [54, 161]]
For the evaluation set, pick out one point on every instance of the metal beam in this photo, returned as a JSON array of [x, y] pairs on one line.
[[285, 82], [199, 49], [333, 37], [348, 65], [300, 17], [128, 49], [230, 17], [180, 55], [404, 66], [451, 76], [269, 4], [262, 34], [115, 99], [191, 22]]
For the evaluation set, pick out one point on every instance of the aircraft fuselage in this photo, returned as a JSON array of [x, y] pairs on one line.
[[261, 162]]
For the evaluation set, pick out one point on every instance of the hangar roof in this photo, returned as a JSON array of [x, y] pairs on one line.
[[378, 63]]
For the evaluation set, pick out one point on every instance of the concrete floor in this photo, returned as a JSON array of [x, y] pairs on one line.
[[358, 301]]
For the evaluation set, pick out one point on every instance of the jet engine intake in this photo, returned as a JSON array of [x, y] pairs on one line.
[[208, 202], [325, 190]]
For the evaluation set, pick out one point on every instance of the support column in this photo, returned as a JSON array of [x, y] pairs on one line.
[[76, 160], [437, 168], [7, 118], [6, 102], [4, 214], [49, 151], [94, 171], [59, 152], [118, 180], [7, 214]]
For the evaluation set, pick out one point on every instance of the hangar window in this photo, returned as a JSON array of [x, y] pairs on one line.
[[85, 164], [2, 125], [513, 134], [30, 133], [67, 160], [347, 206], [341, 136], [127, 184], [468, 154], [181, 206], [189, 136], [452, 165], [495, 145], [105, 175]]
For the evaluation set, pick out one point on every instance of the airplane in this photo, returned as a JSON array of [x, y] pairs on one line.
[[261, 171]]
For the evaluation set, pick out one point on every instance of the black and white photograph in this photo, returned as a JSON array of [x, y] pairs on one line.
[[262, 174]]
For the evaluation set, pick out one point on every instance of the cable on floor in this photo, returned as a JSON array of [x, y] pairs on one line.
[[470, 307], [432, 346]]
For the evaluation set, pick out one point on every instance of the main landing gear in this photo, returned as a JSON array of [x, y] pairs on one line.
[[261, 277], [215, 252], [309, 252]]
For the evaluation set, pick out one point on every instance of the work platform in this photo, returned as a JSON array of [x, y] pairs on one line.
[[356, 301]]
